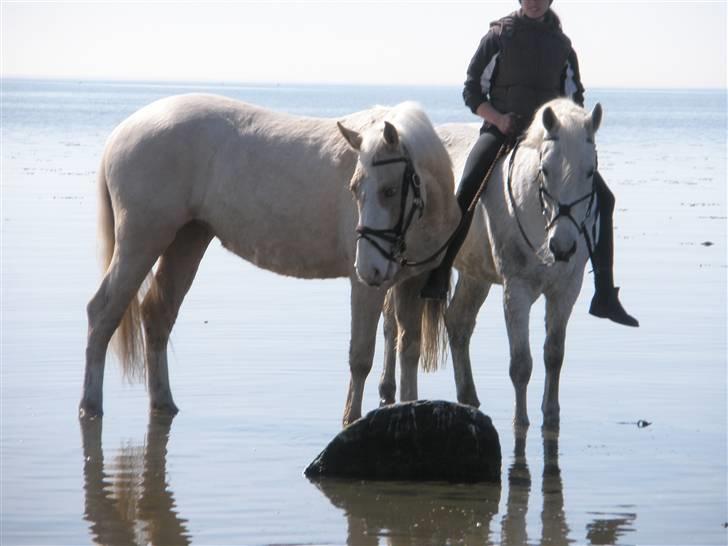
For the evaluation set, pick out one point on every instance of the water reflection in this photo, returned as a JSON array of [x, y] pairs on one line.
[[554, 529], [128, 500], [608, 531], [411, 513]]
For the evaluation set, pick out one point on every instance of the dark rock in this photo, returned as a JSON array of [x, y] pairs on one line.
[[423, 440]]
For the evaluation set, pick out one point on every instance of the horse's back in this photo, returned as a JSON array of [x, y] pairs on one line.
[[458, 139]]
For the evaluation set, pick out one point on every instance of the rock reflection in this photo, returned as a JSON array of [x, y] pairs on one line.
[[413, 513], [605, 530], [128, 501]]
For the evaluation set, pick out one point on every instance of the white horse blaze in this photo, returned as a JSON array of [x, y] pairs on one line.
[[372, 267]]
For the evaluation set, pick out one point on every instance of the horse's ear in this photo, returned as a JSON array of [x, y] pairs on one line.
[[352, 137], [390, 134], [596, 117], [550, 121]]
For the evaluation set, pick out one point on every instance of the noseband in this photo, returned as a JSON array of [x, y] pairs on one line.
[[563, 210], [395, 236]]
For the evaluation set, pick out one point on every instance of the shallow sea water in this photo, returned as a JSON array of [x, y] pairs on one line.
[[259, 362]]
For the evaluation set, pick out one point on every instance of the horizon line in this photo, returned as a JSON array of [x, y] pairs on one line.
[[261, 83]]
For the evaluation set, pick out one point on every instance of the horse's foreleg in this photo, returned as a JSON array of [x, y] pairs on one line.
[[460, 319], [366, 306], [408, 310], [388, 383], [175, 273], [517, 302], [558, 311]]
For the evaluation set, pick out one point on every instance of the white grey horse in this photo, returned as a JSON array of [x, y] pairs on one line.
[[532, 232], [274, 189]]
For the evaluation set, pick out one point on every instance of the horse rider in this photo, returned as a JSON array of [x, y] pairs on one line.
[[523, 61]]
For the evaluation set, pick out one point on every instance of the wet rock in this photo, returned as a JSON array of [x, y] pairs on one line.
[[423, 440]]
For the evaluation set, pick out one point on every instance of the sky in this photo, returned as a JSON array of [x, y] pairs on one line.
[[625, 44]]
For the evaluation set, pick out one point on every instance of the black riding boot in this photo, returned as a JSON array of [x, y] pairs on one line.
[[479, 160], [605, 303]]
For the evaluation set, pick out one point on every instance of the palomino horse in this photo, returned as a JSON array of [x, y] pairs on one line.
[[532, 233], [274, 189]]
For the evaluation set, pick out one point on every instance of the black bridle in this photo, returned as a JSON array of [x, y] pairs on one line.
[[395, 236], [563, 210]]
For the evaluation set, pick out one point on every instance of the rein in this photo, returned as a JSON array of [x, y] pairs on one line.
[[562, 209]]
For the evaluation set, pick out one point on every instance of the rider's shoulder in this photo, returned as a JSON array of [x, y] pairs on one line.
[[505, 26]]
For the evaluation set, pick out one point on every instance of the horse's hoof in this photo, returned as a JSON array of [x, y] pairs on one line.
[[470, 401], [349, 419], [169, 408], [551, 427], [551, 421], [521, 422], [89, 411]]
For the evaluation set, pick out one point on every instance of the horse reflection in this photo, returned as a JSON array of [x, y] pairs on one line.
[[554, 528], [128, 501]]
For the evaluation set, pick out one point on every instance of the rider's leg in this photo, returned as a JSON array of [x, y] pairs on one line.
[[479, 160], [605, 303]]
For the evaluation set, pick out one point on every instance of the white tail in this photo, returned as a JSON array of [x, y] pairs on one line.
[[128, 341]]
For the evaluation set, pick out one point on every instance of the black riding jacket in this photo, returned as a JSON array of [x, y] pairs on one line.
[[520, 64]]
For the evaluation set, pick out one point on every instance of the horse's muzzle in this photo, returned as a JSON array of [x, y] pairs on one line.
[[561, 255]]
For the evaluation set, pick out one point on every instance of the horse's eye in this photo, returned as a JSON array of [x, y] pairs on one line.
[[590, 173], [390, 191]]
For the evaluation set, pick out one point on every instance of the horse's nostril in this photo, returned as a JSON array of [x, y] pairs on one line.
[[554, 250], [571, 251], [560, 255]]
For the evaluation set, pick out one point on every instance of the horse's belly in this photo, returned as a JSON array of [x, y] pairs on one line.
[[291, 253]]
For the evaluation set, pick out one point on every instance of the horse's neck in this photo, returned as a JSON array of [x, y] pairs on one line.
[[521, 181]]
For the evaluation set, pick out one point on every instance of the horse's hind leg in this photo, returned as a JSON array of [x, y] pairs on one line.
[[133, 258], [366, 306], [558, 311], [387, 382], [175, 273], [517, 301], [460, 319]]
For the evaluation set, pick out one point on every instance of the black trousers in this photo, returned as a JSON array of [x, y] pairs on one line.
[[479, 160]]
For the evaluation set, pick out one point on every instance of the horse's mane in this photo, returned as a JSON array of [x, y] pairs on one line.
[[571, 118], [420, 138]]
